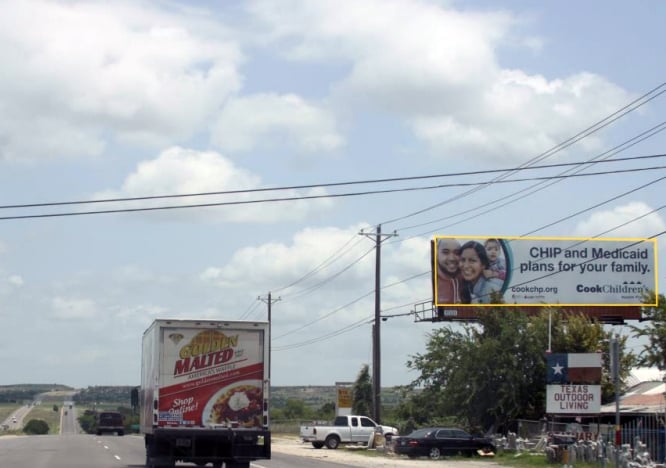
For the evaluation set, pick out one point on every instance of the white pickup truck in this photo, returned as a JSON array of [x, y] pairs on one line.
[[348, 429]]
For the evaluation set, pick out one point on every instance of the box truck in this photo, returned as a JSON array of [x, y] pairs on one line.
[[204, 393]]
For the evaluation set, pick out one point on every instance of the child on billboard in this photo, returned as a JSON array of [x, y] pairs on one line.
[[497, 266]]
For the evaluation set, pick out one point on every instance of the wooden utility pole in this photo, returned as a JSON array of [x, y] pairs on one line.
[[269, 301], [376, 330]]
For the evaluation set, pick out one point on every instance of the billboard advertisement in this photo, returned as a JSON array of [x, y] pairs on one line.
[[537, 271]]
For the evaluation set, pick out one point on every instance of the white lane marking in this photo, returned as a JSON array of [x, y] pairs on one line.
[[116, 457], [106, 447], [257, 465]]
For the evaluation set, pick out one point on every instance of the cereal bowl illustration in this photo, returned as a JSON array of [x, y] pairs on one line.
[[239, 404]]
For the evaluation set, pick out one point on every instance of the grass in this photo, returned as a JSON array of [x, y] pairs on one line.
[[45, 412]]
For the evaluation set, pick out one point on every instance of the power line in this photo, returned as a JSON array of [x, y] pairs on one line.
[[329, 278], [493, 205], [596, 127], [357, 324], [313, 197], [319, 185], [542, 185], [632, 106]]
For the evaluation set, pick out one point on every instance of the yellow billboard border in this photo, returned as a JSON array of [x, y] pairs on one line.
[[602, 239]]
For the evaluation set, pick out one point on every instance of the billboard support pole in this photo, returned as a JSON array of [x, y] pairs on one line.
[[615, 372], [550, 329]]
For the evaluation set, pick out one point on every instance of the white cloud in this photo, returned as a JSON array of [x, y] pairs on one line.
[[601, 221], [15, 280], [259, 266], [178, 171], [78, 73], [265, 120], [71, 308], [10, 283], [327, 274], [437, 69]]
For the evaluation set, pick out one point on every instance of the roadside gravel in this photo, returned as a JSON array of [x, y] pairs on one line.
[[355, 456]]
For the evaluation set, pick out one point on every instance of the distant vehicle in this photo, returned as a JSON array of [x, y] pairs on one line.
[[110, 421], [14, 419], [348, 429], [435, 442]]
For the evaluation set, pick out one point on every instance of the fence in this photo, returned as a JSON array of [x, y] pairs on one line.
[[646, 431]]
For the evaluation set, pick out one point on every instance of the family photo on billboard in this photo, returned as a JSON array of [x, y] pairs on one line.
[[470, 272]]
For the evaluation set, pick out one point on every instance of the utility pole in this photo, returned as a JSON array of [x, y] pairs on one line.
[[269, 300], [376, 334]]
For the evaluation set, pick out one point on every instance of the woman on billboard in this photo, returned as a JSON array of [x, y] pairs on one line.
[[477, 288]]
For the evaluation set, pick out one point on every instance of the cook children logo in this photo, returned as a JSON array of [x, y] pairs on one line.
[[206, 350]]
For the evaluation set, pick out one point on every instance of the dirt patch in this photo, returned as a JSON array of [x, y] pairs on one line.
[[366, 458]]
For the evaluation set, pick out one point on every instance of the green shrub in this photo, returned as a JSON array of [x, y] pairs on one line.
[[36, 427]]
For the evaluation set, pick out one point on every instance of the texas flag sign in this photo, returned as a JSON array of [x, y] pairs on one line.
[[573, 368], [573, 383]]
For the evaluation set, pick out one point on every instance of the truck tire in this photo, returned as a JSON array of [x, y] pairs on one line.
[[317, 445], [332, 442]]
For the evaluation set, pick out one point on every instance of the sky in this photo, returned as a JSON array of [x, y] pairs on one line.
[[129, 99]]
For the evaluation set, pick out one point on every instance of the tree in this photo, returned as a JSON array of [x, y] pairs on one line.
[[36, 427], [486, 375], [326, 411], [362, 393], [654, 352], [296, 409]]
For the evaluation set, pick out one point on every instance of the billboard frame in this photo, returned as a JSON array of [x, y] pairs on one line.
[[650, 260]]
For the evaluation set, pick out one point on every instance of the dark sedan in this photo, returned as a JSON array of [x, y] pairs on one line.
[[434, 442]]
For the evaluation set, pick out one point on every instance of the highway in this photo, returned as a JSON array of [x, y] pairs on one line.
[[86, 451], [74, 449]]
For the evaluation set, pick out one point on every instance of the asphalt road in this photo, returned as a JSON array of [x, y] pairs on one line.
[[86, 451], [68, 423], [73, 449], [15, 420]]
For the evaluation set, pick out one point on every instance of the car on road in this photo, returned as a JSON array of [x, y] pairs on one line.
[[14, 419], [110, 421], [435, 442]]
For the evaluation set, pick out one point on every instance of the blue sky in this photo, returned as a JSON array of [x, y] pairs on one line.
[[135, 99]]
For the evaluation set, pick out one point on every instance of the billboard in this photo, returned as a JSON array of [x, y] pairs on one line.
[[478, 271], [573, 383], [344, 398]]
